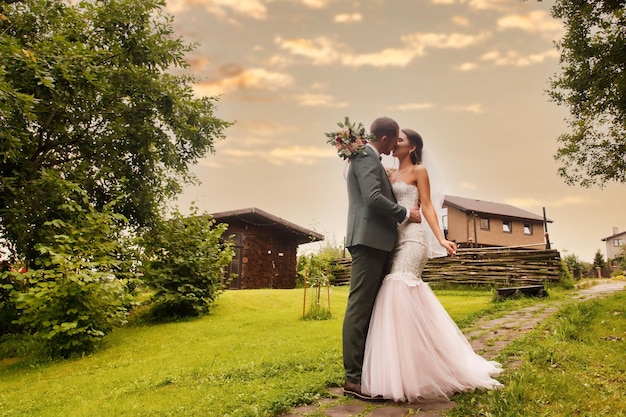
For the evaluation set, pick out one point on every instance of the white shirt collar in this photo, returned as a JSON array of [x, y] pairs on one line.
[[375, 150]]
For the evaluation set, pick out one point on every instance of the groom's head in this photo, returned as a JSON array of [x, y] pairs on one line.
[[385, 131]]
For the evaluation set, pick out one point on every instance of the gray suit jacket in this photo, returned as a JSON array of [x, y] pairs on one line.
[[373, 213]]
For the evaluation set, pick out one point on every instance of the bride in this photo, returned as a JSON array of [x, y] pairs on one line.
[[414, 350]]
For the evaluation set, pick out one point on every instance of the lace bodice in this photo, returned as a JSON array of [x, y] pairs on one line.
[[410, 254], [406, 194]]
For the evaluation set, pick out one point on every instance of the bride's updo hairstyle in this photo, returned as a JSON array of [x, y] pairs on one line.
[[416, 140]]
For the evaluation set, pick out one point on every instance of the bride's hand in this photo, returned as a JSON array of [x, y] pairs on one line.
[[449, 246]]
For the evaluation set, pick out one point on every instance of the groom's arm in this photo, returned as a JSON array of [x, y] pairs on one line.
[[368, 177]]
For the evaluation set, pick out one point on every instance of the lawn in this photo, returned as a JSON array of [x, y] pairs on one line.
[[573, 364], [253, 355]]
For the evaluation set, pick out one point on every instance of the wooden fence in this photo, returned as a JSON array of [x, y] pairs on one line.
[[498, 267]]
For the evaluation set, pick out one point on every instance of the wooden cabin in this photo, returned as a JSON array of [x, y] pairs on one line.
[[265, 248]]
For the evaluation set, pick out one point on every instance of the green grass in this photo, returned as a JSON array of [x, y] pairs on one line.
[[253, 355], [573, 364]]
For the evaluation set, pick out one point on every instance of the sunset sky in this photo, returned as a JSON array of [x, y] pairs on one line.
[[469, 75]]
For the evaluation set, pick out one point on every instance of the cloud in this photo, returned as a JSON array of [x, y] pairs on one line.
[[254, 9], [320, 50], [413, 106], [485, 4], [386, 58], [209, 162], [515, 59], [467, 66], [537, 21], [348, 18], [324, 51], [454, 40], [319, 100], [316, 4], [300, 155], [254, 78], [267, 128], [472, 108], [475, 4], [231, 156], [198, 64], [460, 21], [278, 61]]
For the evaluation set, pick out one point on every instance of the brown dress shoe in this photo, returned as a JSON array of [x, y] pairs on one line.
[[350, 389]]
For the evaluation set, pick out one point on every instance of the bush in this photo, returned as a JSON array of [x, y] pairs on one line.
[[566, 280], [185, 259], [574, 265], [319, 264], [8, 310], [72, 300]]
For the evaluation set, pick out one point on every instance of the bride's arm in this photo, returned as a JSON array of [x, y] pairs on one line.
[[428, 210]]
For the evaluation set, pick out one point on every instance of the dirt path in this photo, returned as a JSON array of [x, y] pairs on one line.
[[487, 337]]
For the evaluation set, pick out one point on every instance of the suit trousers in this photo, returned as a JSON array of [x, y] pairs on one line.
[[366, 276]]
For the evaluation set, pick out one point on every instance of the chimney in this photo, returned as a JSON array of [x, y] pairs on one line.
[[615, 230]]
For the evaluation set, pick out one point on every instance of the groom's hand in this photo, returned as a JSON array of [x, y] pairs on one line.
[[415, 216]]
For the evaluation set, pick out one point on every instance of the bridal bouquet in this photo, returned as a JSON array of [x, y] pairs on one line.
[[350, 140]]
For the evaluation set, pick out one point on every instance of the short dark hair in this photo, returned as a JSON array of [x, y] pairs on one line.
[[415, 139], [384, 126]]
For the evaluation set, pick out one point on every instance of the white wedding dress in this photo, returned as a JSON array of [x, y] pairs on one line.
[[414, 350]]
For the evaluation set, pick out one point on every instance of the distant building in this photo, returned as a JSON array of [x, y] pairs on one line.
[[476, 223], [614, 243], [265, 248]]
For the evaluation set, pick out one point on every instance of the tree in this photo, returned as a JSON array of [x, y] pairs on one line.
[[592, 84], [85, 92], [598, 260]]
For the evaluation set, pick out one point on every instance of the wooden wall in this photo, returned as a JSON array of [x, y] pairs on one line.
[[267, 257]]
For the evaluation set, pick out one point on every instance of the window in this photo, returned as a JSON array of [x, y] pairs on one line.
[[618, 242], [484, 223], [507, 227], [528, 229]]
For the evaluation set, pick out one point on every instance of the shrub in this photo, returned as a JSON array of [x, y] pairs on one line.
[[8, 310], [565, 279], [72, 299], [185, 259], [319, 264], [574, 265]]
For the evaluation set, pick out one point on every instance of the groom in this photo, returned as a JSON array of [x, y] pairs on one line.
[[373, 218]]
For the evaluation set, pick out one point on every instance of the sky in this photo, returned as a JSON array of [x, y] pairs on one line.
[[469, 75]]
